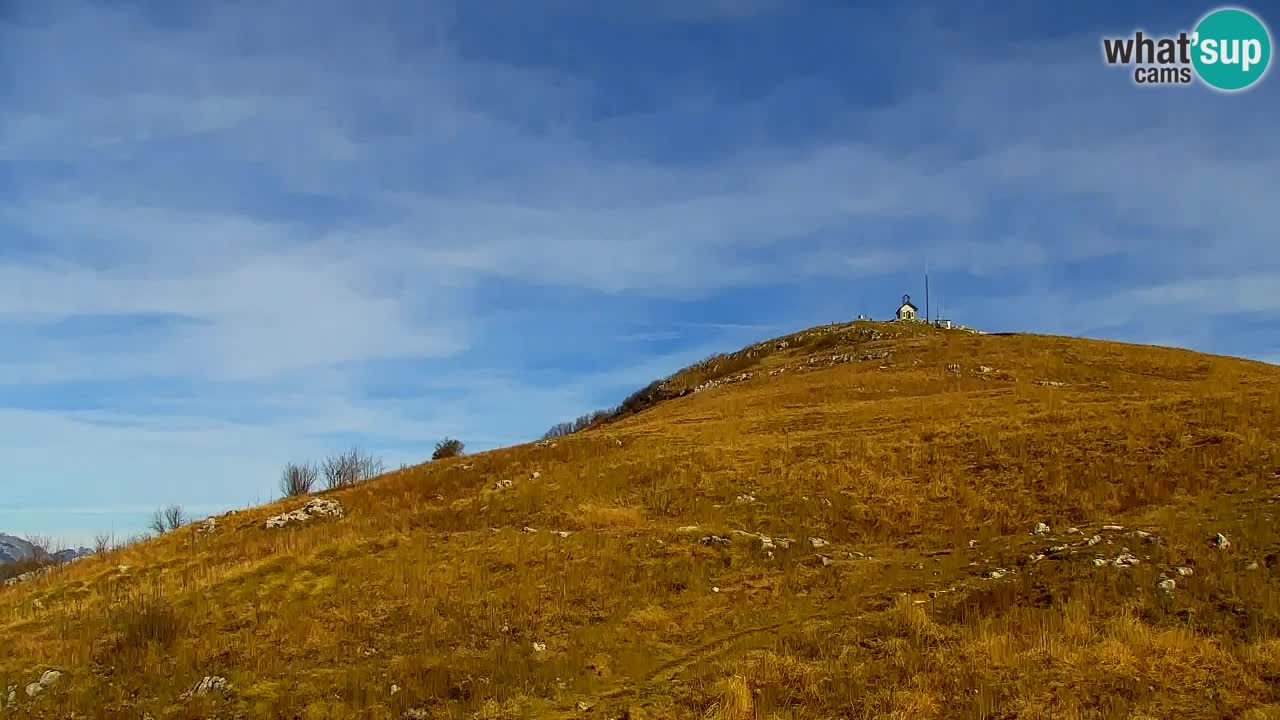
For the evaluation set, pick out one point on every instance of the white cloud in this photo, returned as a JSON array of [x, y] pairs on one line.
[[164, 178]]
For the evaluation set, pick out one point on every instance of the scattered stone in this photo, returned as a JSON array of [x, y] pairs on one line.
[[1220, 542], [563, 533], [953, 368], [745, 499], [1149, 538], [1125, 560], [783, 543], [1113, 528], [997, 574], [1093, 540], [1072, 531], [818, 542], [208, 685], [535, 475], [394, 689], [973, 544], [826, 561], [1099, 562], [13, 695], [504, 485], [539, 647], [715, 540], [30, 575], [50, 677], [1035, 557], [687, 529], [37, 604], [1251, 566], [1185, 571], [1040, 529], [1051, 383], [415, 714], [984, 369], [1167, 585], [34, 689], [528, 529], [208, 527], [584, 706], [715, 589], [316, 507]]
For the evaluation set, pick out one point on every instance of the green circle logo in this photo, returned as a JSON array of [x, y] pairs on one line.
[[1232, 49]]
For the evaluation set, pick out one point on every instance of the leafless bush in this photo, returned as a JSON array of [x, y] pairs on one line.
[[298, 479], [582, 422], [350, 467], [371, 467], [41, 547], [103, 543], [168, 518]]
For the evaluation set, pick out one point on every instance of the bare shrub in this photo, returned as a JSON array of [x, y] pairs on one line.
[[371, 467], [351, 467], [447, 448], [582, 422], [559, 430], [168, 518], [41, 547], [298, 479], [103, 543]]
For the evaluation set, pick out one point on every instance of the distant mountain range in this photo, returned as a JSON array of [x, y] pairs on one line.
[[14, 549]]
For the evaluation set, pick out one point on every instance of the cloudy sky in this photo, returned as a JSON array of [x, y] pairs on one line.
[[234, 234]]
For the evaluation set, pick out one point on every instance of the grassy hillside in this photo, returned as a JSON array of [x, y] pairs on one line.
[[896, 474]]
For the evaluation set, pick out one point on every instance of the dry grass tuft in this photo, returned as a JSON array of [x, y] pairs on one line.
[[735, 701]]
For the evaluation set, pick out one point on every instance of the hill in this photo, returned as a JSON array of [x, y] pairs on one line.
[[865, 520], [14, 549]]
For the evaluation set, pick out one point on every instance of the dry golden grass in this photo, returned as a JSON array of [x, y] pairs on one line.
[[431, 582]]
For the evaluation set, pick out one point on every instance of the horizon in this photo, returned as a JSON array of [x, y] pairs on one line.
[[234, 237]]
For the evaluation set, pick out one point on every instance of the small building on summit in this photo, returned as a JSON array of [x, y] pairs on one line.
[[907, 311]]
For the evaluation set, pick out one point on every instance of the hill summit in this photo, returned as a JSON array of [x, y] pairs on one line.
[[876, 520]]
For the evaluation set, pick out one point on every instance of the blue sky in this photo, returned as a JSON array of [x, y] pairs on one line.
[[236, 234]]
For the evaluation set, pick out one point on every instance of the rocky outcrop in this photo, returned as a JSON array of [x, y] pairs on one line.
[[316, 507], [210, 685]]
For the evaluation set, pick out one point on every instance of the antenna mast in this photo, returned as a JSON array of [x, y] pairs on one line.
[[926, 291]]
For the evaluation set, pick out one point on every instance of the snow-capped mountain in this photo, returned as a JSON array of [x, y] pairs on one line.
[[14, 549]]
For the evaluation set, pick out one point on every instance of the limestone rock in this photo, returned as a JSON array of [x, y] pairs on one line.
[[316, 507], [209, 685]]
